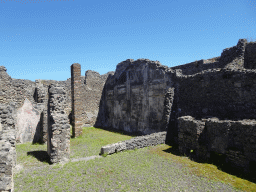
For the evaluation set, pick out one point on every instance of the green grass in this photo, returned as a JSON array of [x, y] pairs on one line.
[[207, 170], [155, 168]]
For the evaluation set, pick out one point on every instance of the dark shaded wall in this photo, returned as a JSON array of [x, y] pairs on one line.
[[134, 98], [91, 91], [225, 94], [233, 141]]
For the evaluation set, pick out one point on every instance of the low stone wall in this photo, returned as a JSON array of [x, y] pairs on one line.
[[190, 136], [236, 140], [7, 147], [137, 142], [58, 142]]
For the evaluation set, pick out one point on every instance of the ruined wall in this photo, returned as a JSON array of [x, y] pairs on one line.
[[7, 146], [231, 58], [135, 97], [42, 98], [222, 93], [225, 94], [58, 141], [191, 136], [36, 94], [250, 56], [22, 92], [234, 139], [15, 90], [91, 91]]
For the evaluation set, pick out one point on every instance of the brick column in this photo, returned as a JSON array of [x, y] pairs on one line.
[[75, 99]]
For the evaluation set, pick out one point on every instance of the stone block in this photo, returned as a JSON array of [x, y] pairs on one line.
[[112, 148], [137, 142]]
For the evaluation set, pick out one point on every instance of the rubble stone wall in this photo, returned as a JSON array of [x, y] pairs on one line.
[[91, 91], [234, 139], [7, 146], [58, 142], [191, 136], [231, 58]]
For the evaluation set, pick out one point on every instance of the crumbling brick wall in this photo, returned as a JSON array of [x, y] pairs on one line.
[[76, 100]]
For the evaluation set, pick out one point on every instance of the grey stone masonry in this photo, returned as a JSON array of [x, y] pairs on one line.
[[231, 58], [91, 91], [234, 139], [58, 142], [7, 146], [137, 142], [138, 97], [189, 132], [76, 99], [250, 56]]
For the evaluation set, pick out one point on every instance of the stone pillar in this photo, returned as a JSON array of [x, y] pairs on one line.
[[7, 147], [76, 100], [58, 142]]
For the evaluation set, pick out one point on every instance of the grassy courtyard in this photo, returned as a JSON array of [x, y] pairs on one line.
[[156, 168]]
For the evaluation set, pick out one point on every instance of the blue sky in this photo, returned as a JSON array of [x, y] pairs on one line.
[[41, 39]]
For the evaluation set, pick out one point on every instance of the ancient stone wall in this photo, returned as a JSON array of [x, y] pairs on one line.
[[250, 56], [58, 142], [236, 140], [135, 97], [36, 93], [91, 92], [191, 136], [7, 146], [225, 94], [141, 96], [231, 58], [222, 93]]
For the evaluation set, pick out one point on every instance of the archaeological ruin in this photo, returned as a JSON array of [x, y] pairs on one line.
[[203, 107]]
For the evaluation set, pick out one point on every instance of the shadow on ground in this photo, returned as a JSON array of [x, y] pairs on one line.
[[219, 161], [40, 156]]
